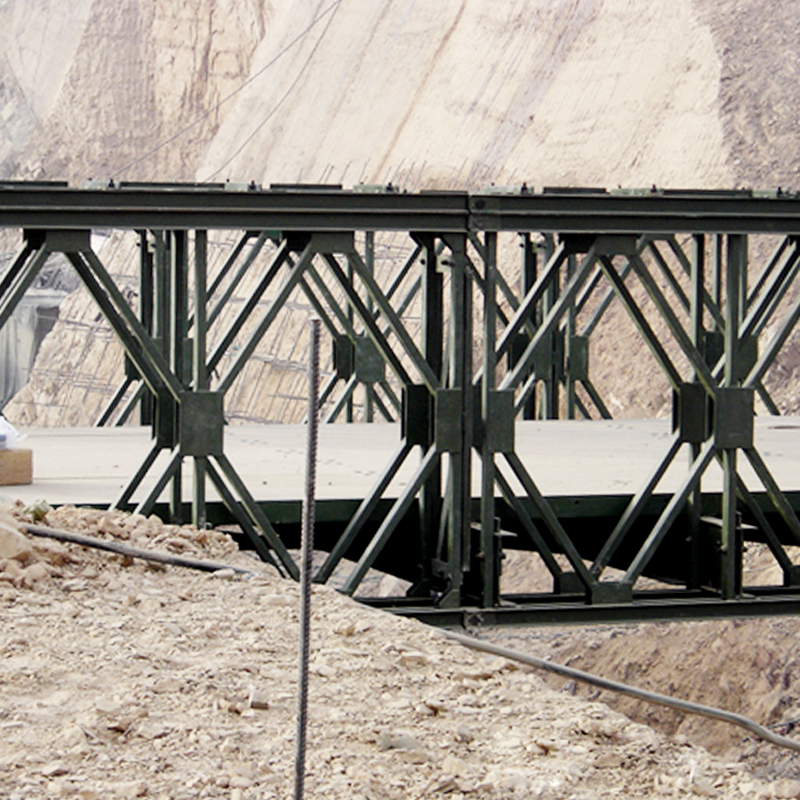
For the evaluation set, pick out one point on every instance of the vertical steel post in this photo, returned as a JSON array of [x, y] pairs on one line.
[[569, 332], [147, 294], [307, 558], [460, 379], [369, 261], [489, 540], [735, 265], [529, 275], [717, 258], [698, 256], [199, 372], [163, 291], [350, 319], [164, 405], [430, 498], [179, 314], [549, 399]]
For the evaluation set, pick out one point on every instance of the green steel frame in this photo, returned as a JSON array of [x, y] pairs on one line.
[[481, 356]]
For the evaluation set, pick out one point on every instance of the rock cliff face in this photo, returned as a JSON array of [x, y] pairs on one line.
[[453, 94], [95, 85], [459, 93]]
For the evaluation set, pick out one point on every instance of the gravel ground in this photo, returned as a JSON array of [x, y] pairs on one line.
[[121, 679]]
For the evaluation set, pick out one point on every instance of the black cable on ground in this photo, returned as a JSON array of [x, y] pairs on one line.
[[613, 686], [130, 551]]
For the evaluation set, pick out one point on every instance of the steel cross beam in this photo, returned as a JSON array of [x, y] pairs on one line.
[[176, 207]]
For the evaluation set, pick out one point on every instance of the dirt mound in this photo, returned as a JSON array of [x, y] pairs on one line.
[[127, 680]]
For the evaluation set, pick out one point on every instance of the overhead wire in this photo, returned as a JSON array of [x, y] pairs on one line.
[[283, 99], [300, 36]]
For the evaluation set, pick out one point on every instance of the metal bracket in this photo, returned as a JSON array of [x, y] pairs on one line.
[[568, 583], [165, 421], [611, 593], [497, 430], [713, 347], [578, 359], [59, 241], [616, 245], [690, 413], [344, 356], [202, 423], [416, 414], [747, 357], [333, 242], [791, 577], [577, 243], [733, 417], [549, 352], [370, 366], [448, 412], [714, 350], [327, 242]]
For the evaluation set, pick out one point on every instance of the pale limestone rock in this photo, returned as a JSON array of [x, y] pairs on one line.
[[224, 574], [52, 552], [107, 706], [785, 788], [704, 787], [129, 789], [152, 729], [72, 735], [151, 604], [277, 600], [111, 526], [611, 760], [167, 686], [414, 659], [13, 544], [464, 733], [75, 585], [11, 571], [35, 573], [54, 769], [399, 740], [453, 765], [433, 706], [258, 699]]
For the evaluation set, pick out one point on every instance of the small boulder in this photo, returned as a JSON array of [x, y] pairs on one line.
[[13, 544]]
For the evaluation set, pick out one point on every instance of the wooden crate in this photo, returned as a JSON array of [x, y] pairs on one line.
[[16, 467]]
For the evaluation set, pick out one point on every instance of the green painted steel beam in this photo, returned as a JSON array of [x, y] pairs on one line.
[[554, 610], [181, 208]]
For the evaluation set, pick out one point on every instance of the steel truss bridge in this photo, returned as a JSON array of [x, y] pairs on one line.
[[506, 289]]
